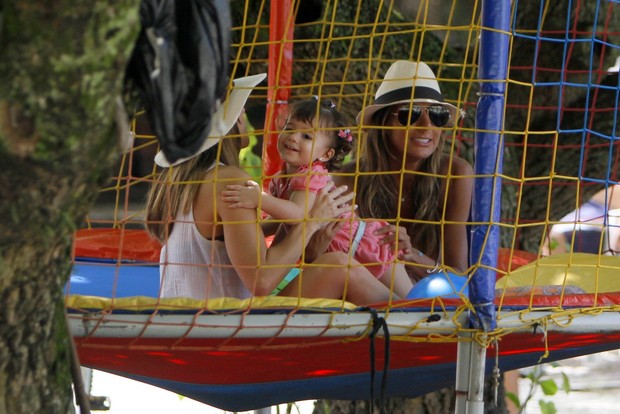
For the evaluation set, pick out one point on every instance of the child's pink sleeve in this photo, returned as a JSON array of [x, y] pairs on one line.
[[313, 182]]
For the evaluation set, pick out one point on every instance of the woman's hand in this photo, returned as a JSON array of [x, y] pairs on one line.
[[398, 238], [239, 196], [322, 239], [330, 203]]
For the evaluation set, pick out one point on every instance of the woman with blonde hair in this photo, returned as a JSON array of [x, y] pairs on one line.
[[210, 250]]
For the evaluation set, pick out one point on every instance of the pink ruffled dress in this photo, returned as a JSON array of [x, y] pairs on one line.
[[355, 235]]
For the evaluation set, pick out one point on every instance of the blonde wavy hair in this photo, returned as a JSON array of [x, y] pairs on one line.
[[175, 188], [378, 197]]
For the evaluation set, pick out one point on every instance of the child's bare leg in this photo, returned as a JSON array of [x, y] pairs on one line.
[[402, 282], [330, 276]]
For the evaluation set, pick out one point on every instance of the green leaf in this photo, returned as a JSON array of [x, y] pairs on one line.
[[565, 383], [547, 407], [513, 397], [549, 387], [554, 244]]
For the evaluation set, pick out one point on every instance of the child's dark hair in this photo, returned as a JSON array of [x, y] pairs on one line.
[[332, 121]]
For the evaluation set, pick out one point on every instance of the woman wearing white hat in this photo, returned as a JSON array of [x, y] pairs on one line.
[[403, 131], [210, 250]]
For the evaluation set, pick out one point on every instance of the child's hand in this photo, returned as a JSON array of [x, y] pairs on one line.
[[331, 203], [401, 245], [242, 196]]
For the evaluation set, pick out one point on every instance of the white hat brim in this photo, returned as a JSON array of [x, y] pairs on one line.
[[223, 119]]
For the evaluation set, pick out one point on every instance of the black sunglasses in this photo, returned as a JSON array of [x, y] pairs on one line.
[[438, 114]]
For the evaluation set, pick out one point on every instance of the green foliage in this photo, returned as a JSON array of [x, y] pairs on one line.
[[551, 86], [289, 409], [57, 80], [345, 53], [549, 387], [514, 398], [547, 407], [565, 383], [554, 244]]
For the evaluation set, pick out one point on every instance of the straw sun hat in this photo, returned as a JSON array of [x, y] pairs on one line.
[[224, 117], [403, 81]]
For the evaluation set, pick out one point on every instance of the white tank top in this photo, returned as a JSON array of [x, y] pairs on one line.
[[195, 267]]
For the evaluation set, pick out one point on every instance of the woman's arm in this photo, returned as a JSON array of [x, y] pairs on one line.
[[458, 204], [321, 240], [259, 268]]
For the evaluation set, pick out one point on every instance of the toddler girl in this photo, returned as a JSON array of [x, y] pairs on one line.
[[313, 143]]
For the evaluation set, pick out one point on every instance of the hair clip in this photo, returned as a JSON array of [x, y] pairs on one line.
[[324, 102], [345, 134]]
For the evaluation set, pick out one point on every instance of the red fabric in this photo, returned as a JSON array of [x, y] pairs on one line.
[[253, 360], [279, 78], [530, 300], [116, 244], [306, 178], [519, 258], [269, 240], [119, 244]]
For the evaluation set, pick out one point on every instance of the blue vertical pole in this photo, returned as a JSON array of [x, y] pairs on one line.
[[488, 148]]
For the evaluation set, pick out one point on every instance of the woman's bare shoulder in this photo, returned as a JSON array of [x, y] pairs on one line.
[[228, 173], [217, 178], [458, 165]]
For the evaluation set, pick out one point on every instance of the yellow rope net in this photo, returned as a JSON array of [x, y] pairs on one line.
[[557, 258]]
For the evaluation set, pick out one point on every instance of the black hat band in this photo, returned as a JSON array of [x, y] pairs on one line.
[[404, 94]]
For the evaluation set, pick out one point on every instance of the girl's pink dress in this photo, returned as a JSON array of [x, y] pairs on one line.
[[369, 251]]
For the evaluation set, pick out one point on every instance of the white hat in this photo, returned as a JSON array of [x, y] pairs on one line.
[[407, 82], [223, 119]]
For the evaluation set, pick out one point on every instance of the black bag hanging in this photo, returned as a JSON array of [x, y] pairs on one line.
[[179, 67]]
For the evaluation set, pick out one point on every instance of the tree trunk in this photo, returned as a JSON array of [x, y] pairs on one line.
[[61, 71]]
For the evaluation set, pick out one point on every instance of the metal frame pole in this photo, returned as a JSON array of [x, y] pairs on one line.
[[492, 72], [475, 394], [462, 373]]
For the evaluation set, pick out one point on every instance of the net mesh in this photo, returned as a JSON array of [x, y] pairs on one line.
[[560, 219]]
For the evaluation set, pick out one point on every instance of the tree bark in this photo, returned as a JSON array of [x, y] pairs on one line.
[[560, 105], [61, 71]]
